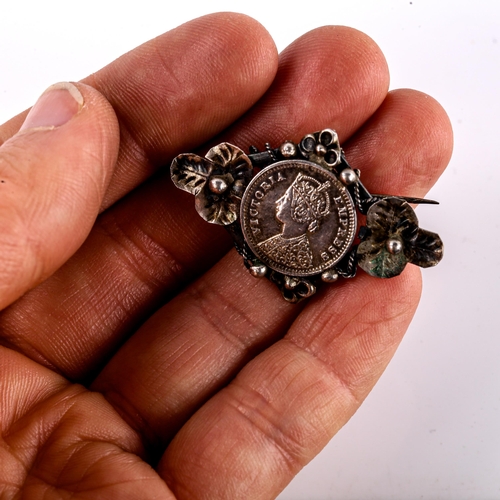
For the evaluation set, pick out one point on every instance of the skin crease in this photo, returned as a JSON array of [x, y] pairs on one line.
[[138, 358]]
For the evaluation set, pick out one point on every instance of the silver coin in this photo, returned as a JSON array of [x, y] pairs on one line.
[[298, 218]]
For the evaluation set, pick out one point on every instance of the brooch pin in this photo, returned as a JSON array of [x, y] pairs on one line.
[[292, 213]]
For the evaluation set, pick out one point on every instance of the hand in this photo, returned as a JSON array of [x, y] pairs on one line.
[[136, 338]]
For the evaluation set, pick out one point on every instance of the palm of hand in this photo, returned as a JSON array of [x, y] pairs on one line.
[[226, 390]]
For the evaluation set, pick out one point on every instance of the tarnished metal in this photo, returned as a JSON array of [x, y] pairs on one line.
[[218, 181], [393, 239], [297, 218], [322, 147], [292, 213]]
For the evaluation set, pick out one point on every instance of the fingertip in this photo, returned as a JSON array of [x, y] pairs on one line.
[[405, 146], [352, 43], [253, 54], [436, 132], [352, 65], [244, 30], [263, 61], [332, 76]]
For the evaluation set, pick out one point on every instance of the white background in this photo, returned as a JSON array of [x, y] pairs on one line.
[[431, 427]]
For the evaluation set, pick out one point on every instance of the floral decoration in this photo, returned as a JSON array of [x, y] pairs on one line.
[[322, 147], [218, 181], [393, 239]]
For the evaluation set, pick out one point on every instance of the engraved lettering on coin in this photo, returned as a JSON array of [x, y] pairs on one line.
[[298, 218]]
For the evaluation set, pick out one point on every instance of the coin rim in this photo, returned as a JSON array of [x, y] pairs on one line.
[[350, 207]]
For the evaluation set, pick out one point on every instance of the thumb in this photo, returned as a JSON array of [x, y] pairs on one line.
[[53, 175]]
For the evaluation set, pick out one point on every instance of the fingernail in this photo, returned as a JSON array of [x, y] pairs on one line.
[[55, 107]]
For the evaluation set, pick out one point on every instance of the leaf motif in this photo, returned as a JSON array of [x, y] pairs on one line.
[[379, 262], [426, 250], [216, 210], [230, 157], [390, 217], [190, 172]]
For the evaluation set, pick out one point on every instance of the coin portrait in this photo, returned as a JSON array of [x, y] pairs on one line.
[[298, 218]]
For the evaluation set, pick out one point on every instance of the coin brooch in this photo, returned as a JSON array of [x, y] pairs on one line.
[[293, 213]]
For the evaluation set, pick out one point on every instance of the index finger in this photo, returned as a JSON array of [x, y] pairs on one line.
[[176, 91]]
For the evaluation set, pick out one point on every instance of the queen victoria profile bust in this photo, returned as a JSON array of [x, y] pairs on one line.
[[300, 210]]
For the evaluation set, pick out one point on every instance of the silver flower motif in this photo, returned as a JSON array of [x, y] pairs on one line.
[[322, 148], [394, 239], [218, 181]]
